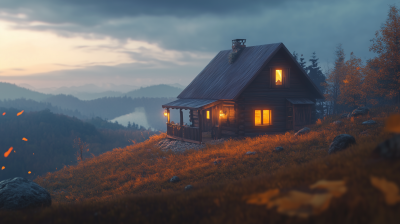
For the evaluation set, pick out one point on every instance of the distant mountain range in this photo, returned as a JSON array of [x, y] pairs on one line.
[[88, 92]]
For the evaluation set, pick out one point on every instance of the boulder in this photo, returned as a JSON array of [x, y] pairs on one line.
[[19, 193], [341, 142], [369, 122], [359, 111], [344, 115], [250, 153], [174, 179], [337, 122], [279, 148], [188, 187], [302, 131], [389, 149]]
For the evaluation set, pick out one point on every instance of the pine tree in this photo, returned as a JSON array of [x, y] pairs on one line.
[[315, 73], [387, 45], [302, 62], [335, 79], [295, 56]]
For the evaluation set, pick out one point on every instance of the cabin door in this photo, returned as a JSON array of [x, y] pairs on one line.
[[289, 116], [302, 115], [207, 120]]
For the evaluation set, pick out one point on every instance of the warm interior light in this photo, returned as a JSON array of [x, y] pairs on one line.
[[278, 77], [266, 117], [208, 114], [257, 118], [221, 113], [165, 113]]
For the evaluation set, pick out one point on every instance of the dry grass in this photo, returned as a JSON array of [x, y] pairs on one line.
[[131, 184]]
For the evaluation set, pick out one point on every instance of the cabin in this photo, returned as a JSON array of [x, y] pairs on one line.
[[245, 91]]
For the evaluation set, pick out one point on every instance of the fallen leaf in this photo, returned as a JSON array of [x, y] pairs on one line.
[[19, 113], [392, 124], [336, 188], [262, 198], [388, 188], [6, 154], [3, 167]]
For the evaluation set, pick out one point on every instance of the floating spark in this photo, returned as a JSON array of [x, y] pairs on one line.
[[19, 113], [25, 139], [8, 152]]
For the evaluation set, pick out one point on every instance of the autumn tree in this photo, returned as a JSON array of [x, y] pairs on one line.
[[334, 80], [386, 66], [351, 93]]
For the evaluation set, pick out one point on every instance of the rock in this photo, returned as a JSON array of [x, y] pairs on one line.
[[389, 149], [188, 187], [359, 111], [279, 148], [217, 161], [341, 142], [19, 193], [344, 115], [369, 122], [337, 122], [302, 131], [174, 179], [250, 153]]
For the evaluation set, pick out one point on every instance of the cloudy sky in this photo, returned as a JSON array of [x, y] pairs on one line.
[[54, 43]]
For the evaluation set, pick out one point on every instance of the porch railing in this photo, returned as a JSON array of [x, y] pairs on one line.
[[184, 133]]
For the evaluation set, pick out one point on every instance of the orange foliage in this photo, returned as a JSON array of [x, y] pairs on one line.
[[6, 154], [388, 188]]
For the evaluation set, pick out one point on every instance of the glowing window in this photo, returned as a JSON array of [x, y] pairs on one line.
[[262, 117], [278, 77], [208, 114]]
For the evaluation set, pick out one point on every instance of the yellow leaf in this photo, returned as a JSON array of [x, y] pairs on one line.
[[262, 198], [336, 188], [393, 123], [388, 188]]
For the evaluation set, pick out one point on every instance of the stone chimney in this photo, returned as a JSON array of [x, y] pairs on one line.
[[237, 46]]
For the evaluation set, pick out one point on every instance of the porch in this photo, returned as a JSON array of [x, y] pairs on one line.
[[197, 131]]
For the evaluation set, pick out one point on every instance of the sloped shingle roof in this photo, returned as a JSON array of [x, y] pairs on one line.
[[220, 80]]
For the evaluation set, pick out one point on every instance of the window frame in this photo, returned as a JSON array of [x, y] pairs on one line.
[[285, 76], [262, 116]]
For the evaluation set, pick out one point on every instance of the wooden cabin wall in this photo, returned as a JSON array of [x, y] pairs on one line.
[[229, 125], [259, 95]]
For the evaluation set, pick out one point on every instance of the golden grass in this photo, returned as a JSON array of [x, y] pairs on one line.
[[131, 184]]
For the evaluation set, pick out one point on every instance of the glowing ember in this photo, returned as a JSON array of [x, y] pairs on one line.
[[33, 153], [4, 113], [19, 113], [29, 172], [8, 152], [3, 167], [25, 139]]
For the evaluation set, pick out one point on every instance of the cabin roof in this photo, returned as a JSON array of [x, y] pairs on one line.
[[188, 103], [220, 80]]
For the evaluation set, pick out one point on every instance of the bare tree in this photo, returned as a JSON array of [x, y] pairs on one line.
[[81, 146]]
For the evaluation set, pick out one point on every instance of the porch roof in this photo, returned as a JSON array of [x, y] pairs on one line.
[[188, 103], [300, 101]]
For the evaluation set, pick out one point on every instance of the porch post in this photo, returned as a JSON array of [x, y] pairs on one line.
[[200, 125], [181, 117], [168, 118]]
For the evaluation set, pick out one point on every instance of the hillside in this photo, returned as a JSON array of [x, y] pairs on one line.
[[10, 91], [50, 138], [155, 91], [131, 184]]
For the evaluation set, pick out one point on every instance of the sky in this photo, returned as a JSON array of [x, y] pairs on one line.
[[54, 43]]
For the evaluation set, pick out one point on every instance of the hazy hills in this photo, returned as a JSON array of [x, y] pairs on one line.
[[155, 91], [12, 91]]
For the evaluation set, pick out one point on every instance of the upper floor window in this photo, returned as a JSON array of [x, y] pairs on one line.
[[279, 77]]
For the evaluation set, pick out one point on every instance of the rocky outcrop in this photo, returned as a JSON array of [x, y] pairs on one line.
[[369, 122], [302, 131], [174, 179], [180, 146], [341, 142], [19, 193], [359, 111], [389, 149]]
